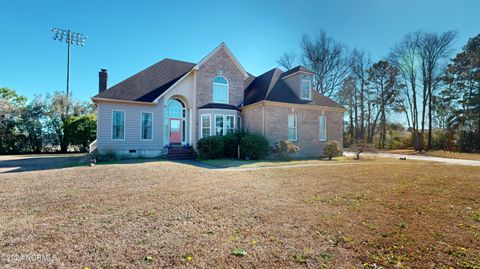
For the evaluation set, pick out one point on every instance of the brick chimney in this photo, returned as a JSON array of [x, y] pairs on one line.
[[102, 80]]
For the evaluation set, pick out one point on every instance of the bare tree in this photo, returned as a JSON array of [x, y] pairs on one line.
[[404, 57], [432, 48], [360, 62], [383, 80], [288, 60], [347, 97], [403, 104], [328, 59]]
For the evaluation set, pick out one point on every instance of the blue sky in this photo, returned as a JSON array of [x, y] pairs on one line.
[[128, 36]]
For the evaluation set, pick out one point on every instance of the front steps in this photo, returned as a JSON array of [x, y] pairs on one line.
[[181, 153]]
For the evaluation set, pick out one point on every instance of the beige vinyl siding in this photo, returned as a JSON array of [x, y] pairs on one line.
[[295, 82], [133, 125]]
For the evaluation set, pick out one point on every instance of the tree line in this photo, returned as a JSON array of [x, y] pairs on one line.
[[56, 123], [437, 96]]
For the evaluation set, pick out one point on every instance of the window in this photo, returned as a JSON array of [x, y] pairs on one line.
[[323, 128], [292, 127], [175, 109], [118, 125], [205, 126], [306, 87], [230, 120], [220, 90], [174, 126], [219, 125], [224, 124], [147, 125], [239, 123]]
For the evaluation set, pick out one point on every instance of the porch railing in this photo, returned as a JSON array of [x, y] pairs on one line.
[[92, 146]]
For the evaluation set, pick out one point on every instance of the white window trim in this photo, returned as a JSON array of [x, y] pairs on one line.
[[213, 129], [319, 131], [141, 127], [225, 120], [124, 123], [310, 88], [296, 127], [238, 123], [184, 129], [201, 124], [220, 84], [215, 124]]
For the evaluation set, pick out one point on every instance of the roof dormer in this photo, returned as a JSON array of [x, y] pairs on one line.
[[300, 80]]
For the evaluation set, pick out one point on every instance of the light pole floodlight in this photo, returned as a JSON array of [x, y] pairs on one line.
[[70, 38]]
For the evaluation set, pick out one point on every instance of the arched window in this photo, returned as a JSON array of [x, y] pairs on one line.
[[175, 109], [175, 120], [220, 90], [306, 87]]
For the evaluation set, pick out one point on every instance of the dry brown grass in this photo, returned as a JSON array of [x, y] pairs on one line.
[[439, 153], [408, 214]]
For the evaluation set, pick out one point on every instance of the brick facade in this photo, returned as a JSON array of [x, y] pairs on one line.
[[219, 65], [252, 120], [276, 126]]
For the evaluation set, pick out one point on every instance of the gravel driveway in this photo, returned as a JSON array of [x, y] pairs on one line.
[[420, 158], [22, 163]]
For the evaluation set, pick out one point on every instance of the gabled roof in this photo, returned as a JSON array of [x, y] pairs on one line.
[[150, 83], [229, 53], [294, 70], [271, 86], [259, 88]]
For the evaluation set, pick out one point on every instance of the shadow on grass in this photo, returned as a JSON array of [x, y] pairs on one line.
[[194, 163], [15, 164], [22, 163]]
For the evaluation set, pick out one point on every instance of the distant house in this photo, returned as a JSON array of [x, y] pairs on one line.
[[172, 104]]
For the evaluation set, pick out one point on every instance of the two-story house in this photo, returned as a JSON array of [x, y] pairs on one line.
[[173, 103]]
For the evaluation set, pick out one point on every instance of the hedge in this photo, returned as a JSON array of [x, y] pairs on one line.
[[252, 146]]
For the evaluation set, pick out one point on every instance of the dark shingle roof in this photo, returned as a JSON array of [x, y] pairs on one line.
[[295, 70], [259, 88], [219, 106], [150, 83], [270, 86]]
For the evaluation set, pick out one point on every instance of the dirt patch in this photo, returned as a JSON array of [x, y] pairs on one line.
[[177, 215]]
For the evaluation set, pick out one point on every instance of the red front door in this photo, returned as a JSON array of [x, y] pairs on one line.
[[175, 131]]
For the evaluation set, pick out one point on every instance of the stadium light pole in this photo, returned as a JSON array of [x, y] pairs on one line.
[[71, 38]]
